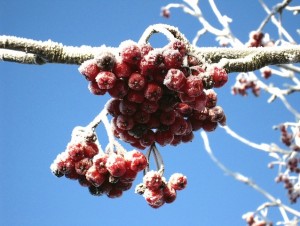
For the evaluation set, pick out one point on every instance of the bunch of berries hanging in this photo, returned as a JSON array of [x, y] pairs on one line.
[[158, 95]]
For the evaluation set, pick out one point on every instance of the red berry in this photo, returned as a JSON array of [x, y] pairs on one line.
[[93, 176], [105, 61], [200, 115], [175, 79], [100, 163], [149, 106], [216, 114], [112, 107], [116, 165], [169, 194], [164, 137], [130, 52], [122, 70], [90, 149], [145, 49], [119, 90], [148, 138], [114, 193], [178, 181], [219, 76], [176, 140], [199, 103], [89, 69], [141, 117], [178, 45], [153, 180], [154, 198], [136, 160], [106, 80], [165, 12], [193, 86], [123, 186], [186, 98], [125, 122], [179, 126], [150, 62], [183, 108], [127, 108], [187, 137], [167, 118], [135, 96], [136, 81], [83, 165], [153, 92], [209, 126], [94, 88], [212, 98], [129, 175], [63, 164], [96, 191], [76, 151], [172, 58]]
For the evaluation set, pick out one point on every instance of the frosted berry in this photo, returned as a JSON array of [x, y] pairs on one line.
[[127, 107], [105, 61], [75, 151], [141, 117], [90, 149], [129, 175], [119, 90], [123, 186], [106, 80], [62, 165], [130, 52], [112, 107], [148, 138], [89, 69], [179, 126], [122, 70], [149, 106], [153, 92], [136, 160], [154, 198], [94, 177], [178, 181], [96, 191], [178, 45], [164, 137], [216, 114], [167, 118], [100, 163], [199, 103], [153, 180], [136, 81], [212, 98], [172, 58], [125, 122], [145, 49], [175, 79], [193, 86], [183, 108], [114, 193], [169, 194], [219, 76], [83, 165], [94, 88], [135, 96], [116, 165], [150, 62], [209, 126]]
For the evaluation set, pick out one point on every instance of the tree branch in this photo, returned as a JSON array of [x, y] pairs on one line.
[[232, 59]]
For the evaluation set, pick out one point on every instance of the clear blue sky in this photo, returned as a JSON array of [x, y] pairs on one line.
[[40, 105]]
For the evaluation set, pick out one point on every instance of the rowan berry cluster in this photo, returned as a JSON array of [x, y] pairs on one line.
[[243, 83], [253, 220], [157, 191], [109, 173], [259, 39], [158, 95]]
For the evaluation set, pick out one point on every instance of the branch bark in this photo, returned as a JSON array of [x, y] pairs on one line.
[[28, 51]]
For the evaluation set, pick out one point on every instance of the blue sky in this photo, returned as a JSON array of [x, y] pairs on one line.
[[40, 105]]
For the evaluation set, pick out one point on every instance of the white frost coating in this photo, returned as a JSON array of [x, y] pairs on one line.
[[127, 44]]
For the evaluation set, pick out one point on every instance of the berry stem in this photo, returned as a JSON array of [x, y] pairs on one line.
[[157, 157]]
